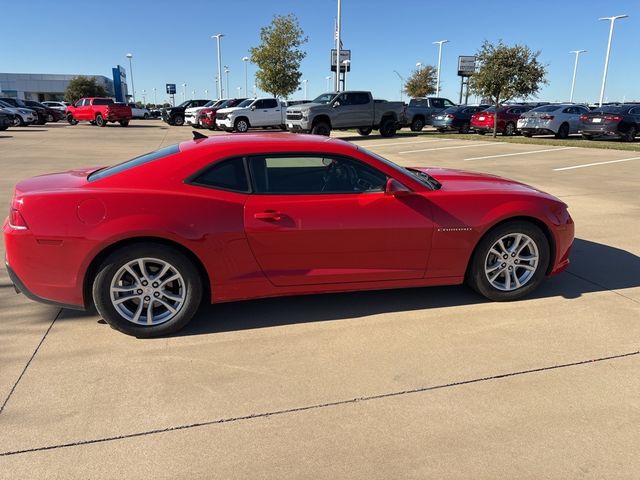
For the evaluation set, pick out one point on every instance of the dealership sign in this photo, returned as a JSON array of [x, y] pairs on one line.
[[466, 66], [171, 88], [344, 55]]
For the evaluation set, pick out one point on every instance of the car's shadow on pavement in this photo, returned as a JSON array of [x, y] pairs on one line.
[[594, 268]]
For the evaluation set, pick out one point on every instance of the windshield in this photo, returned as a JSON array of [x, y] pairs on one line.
[[184, 104], [324, 98], [246, 103], [134, 162], [610, 109], [422, 177], [546, 108]]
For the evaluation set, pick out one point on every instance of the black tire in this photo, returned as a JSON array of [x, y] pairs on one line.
[[100, 121], [146, 116], [563, 131], [124, 123], [177, 120], [417, 125], [114, 262], [441, 130], [49, 118], [20, 121], [630, 134], [480, 132], [321, 128], [509, 130], [388, 128], [71, 120], [2, 129], [587, 137], [241, 125], [365, 131], [465, 128], [527, 134], [477, 278]]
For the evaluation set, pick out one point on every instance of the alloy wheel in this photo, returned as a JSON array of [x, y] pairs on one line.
[[511, 262]]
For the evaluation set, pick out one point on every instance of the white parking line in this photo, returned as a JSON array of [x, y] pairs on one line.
[[456, 146], [372, 144], [520, 153], [584, 165]]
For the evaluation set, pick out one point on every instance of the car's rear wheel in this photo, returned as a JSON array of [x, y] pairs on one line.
[[480, 132], [147, 290], [364, 131], [465, 128], [146, 116], [101, 122], [388, 128], [563, 131], [527, 134], [417, 125], [630, 134], [587, 137], [510, 261], [71, 120], [124, 123], [49, 118], [178, 120]]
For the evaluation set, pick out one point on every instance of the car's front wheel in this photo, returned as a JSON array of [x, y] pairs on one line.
[[510, 261], [147, 290]]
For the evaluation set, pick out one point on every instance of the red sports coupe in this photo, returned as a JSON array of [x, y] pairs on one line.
[[246, 216]]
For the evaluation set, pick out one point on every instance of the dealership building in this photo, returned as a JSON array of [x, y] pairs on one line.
[[44, 86]]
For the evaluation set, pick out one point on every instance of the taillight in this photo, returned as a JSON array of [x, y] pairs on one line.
[[450, 116], [584, 118], [547, 117], [613, 118], [16, 221]]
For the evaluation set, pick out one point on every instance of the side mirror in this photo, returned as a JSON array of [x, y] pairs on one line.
[[336, 104], [253, 107], [395, 188]]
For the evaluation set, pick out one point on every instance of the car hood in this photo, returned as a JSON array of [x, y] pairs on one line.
[[307, 106], [194, 109], [465, 181], [230, 109]]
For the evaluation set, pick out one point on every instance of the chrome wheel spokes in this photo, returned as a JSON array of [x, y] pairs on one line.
[[511, 262], [147, 291]]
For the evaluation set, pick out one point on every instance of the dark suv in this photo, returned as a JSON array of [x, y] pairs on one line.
[[175, 115]]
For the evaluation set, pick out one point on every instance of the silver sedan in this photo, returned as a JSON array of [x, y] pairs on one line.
[[560, 120]]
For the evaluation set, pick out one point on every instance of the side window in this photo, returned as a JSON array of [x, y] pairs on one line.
[[447, 103], [635, 111], [78, 103], [270, 103], [314, 175], [437, 103], [360, 98], [258, 104], [226, 175]]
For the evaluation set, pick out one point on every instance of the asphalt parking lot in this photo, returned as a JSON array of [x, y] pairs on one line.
[[416, 383]]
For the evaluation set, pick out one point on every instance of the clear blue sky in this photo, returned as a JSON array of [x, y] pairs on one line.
[[170, 40]]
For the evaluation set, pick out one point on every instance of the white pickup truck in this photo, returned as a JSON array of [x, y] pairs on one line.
[[253, 112]]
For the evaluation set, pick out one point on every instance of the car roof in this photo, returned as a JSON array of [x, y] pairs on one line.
[[283, 141]]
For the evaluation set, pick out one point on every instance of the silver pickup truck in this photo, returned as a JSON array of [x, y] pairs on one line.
[[344, 110], [420, 111]]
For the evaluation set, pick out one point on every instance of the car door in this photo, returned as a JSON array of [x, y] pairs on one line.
[[258, 116], [318, 219], [271, 112], [82, 109], [345, 112]]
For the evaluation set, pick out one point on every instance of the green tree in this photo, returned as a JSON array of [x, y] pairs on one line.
[[82, 86], [507, 73], [422, 82], [279, 55]]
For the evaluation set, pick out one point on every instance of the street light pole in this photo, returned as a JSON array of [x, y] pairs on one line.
[[133, 89], [338, 28], [305, 82], [155, 98], [346, 67], [218, 36], [401, 83], [246, 84], [575, 69], [184, 92], [439, 42], [226, 70], [144, 100], [606, 61]]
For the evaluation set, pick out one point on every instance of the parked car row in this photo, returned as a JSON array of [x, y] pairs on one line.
[[28, 112]]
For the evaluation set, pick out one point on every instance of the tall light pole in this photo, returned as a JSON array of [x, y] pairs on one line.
[[184, 92], [218, 90], [155, 98], [255, 91], [133, 90], [246, 83], [606, 61], [218, 36], [328, 79], [338, 46], [440, 43], [226, 71], [193, 94], [305, 82], [419, 66], [346, 67], [206, 93], [575, 69], [401, 83], [144, 100]]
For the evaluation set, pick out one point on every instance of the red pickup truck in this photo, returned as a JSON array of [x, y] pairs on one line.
[[99, 111]]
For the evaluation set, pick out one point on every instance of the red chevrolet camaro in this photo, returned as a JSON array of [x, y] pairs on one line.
[[238, 217]]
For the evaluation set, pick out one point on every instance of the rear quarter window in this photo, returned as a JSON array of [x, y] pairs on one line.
[[134, 162]]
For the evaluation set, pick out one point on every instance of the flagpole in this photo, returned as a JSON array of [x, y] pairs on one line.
[[338, 25]]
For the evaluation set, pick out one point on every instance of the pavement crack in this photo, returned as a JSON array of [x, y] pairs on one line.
[[24, 370], [316, 406]]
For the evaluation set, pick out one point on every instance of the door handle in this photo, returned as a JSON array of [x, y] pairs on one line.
[[269, 216]]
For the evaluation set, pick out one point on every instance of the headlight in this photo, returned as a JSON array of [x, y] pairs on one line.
[[305, 114], [25, 112]]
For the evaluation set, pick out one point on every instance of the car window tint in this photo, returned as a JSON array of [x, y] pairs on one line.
[[360, 98], [448, 103], [270, 103], [227, 175], [102, 101], [314, 175], [134, 162], [258, 104], [437, 103], [634, 111]]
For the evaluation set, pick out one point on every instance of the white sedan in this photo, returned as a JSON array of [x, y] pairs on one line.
[[560, 120]]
